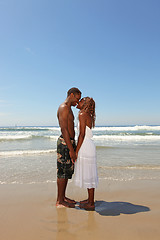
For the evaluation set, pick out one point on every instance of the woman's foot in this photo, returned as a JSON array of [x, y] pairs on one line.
[[88, 206], [84, 201]]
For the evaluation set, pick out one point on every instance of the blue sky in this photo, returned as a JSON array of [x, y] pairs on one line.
[[109, 49]]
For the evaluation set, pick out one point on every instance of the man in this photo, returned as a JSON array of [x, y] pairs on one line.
[[66, 146]]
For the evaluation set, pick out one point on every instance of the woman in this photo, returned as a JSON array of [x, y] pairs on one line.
[[85, 166]]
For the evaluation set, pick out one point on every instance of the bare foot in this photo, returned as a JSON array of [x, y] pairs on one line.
[[88, 206], [84, 201], [64, 204], [59, 205], [68, 200]]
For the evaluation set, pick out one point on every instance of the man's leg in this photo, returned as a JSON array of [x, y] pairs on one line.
[[64, 194], [65, 187], [61, 188], [64, 170]]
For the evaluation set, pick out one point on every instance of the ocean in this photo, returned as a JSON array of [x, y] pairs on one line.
[[124, 153]]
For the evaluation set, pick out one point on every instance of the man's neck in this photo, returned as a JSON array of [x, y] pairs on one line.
[[67, 102]]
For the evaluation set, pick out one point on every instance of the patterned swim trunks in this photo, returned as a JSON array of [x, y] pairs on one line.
[[65, 167]]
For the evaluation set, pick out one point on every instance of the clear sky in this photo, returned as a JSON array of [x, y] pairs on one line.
[[109, 49]]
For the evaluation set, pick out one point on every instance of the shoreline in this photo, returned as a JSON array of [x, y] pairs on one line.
[[124, 210]]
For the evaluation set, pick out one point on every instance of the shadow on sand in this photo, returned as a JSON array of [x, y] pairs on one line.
[[116, 208]]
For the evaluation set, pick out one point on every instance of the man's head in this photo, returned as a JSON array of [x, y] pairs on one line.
[[75, 95]]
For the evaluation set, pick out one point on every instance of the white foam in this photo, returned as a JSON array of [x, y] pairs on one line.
[[130, 128], [28, 183], [135, 167], [127, 138], [15, 137], [26, 152], [54, 128], [29, 128], [54, 137], [131, 178]]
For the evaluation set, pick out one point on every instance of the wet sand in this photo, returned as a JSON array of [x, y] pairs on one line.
[[124, 210]]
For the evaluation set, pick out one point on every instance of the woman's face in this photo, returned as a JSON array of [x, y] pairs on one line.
[[80, 104]]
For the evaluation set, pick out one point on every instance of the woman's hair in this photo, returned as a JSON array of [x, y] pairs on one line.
[[89, 107]]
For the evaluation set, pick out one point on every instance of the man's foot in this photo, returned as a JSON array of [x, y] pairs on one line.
[[84, 201], [88, 206], [68, 200], [59, 205], [64, 204]]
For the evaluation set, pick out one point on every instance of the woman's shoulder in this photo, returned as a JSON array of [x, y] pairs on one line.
[[83, 114]]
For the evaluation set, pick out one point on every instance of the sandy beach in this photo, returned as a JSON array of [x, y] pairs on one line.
[[124, 210]]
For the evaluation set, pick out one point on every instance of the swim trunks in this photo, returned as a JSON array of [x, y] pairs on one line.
[[65, 167]]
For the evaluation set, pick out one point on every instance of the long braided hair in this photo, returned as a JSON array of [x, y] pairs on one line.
[[89, 107]]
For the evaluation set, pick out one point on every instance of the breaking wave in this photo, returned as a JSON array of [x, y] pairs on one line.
[[26, 152]]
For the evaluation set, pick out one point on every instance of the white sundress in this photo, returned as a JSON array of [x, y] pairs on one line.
[[85, 167]]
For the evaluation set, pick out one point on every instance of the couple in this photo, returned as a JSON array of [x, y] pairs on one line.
[[80, 159]]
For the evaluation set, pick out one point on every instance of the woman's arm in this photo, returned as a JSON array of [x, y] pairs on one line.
[[82, 123]]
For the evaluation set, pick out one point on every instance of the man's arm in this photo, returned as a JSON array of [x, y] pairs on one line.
[[63, 114]]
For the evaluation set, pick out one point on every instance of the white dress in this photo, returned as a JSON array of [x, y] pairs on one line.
[[85, 167]]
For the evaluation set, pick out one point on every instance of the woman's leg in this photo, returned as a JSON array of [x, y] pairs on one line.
[[89, 204], [91, 196]]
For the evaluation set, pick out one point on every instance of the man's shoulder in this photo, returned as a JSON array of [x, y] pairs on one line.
[[63, 107]]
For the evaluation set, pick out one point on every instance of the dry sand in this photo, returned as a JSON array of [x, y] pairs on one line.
[[124, 211]]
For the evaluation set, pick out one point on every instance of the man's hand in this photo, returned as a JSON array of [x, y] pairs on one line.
[[73, 156]]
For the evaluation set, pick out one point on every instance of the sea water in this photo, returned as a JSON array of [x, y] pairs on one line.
[[124, 153]]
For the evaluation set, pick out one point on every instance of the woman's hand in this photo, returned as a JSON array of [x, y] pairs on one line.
[[76, 154]]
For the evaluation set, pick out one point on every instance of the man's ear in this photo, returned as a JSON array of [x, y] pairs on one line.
[[72, 95]]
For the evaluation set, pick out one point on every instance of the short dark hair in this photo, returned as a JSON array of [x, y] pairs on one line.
[[74, 91]]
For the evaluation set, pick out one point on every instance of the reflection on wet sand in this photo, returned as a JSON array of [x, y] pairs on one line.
[[75, 224]]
